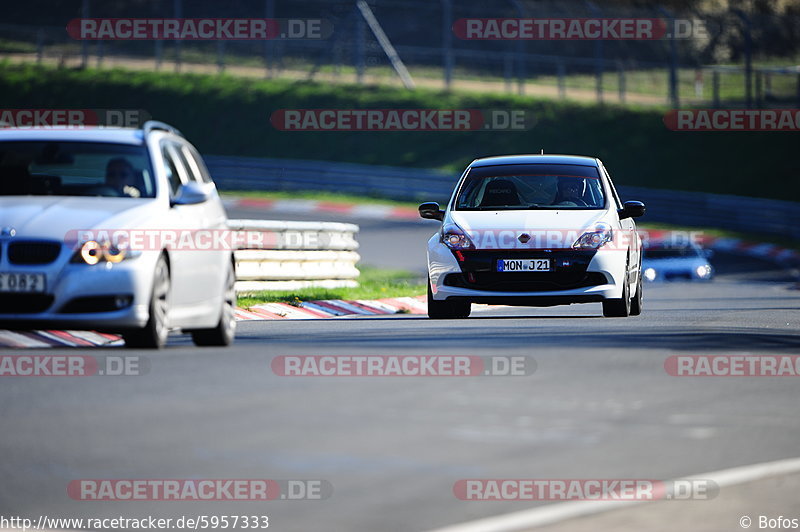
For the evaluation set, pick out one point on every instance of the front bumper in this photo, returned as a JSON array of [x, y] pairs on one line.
[[577, 276], [82, 296]]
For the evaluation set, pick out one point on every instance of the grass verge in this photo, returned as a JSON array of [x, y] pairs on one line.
[[374, 283]]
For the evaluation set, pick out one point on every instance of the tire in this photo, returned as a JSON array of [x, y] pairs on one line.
[[619, 308], [636, 302], [154, 334], [447, 310], [223, 334]]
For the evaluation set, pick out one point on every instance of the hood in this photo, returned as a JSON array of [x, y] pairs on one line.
[[546, 228], [52, 217]]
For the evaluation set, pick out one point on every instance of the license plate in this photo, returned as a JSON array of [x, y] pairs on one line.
[[523, 265], [22, 282]]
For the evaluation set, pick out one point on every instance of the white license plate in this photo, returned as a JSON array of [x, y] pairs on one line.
[[22, 282], [523, 265]]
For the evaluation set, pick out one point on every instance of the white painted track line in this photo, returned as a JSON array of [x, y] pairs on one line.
[[555, 513]]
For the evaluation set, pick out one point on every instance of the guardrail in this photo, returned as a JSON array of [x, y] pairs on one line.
[[299, 255], [250, 173], [751, 215]]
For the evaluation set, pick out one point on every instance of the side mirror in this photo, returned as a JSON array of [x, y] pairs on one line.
[[431, 211], [631, 209], [193, 193]]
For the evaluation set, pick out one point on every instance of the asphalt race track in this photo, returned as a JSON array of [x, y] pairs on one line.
[[600, 405]]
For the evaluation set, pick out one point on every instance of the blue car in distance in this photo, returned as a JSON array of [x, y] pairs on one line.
[[669, 261]]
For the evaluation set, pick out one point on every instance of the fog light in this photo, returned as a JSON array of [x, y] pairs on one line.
[[650, 274], [121, 302]]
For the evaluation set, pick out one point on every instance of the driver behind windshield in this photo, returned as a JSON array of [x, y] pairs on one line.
[[121, 176], [571, 190]]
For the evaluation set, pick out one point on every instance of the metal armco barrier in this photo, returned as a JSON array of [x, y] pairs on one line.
[[736, 213], [296, 255], [249, 173]]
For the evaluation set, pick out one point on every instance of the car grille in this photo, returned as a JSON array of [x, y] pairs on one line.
[[25, 303], [33, 252], [479, 271], [523, 282], [670, 276]]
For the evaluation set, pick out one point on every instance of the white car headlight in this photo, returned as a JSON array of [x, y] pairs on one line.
[[455, 238], [601, 235], [650, 274], [92, 252], [703, 271]]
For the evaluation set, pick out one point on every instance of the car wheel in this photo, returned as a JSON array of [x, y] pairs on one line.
[[224, 332], [154, 334], [619, 308], [636, 302], [447, 310]]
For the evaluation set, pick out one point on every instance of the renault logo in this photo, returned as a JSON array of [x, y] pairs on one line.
[[524, 237], [8, 231]]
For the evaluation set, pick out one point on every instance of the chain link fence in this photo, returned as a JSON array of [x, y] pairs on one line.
[[681, 71]]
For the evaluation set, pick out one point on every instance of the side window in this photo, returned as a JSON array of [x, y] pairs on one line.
[[176, 173], [196, 164], [613, 188], [186, 160]]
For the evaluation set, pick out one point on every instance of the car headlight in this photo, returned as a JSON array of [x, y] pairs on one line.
[[92, 252], [455, 238], [650, 274], [601, 235], [703, 271]]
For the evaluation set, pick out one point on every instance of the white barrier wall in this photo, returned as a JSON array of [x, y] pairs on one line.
[[296, 255]]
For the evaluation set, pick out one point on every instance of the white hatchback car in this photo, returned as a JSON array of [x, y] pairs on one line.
[[534, 230], [66, 196]]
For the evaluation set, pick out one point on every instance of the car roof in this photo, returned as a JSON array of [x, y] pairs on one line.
[[535, 159], [72, 134]]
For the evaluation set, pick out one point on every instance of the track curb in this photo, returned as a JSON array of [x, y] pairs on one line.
[[266, 311]]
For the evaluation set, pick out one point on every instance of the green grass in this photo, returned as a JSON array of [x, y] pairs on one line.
[[373, 283], [650, 81], [226, 115], [11, 46]]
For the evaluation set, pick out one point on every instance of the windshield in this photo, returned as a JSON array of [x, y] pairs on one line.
[[75, 169], [531, 186]]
